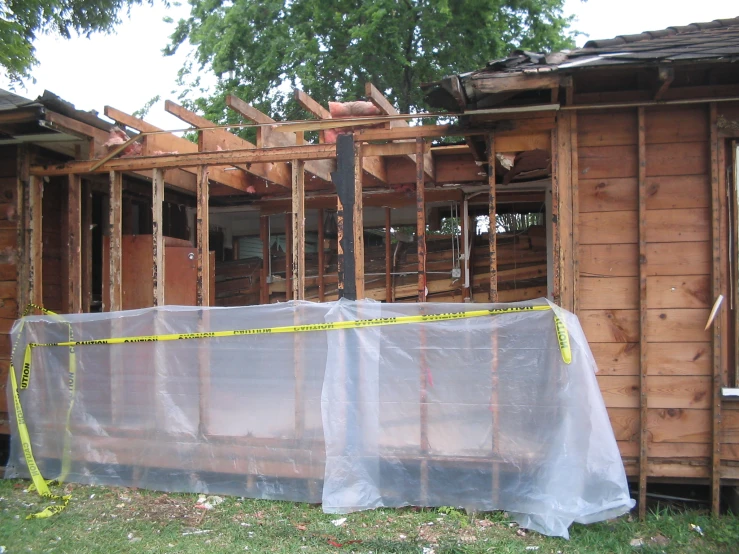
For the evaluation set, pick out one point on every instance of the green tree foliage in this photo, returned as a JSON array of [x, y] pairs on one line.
[[330, 48], [22, 20]]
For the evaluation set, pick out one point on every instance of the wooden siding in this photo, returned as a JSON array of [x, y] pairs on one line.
[[678, 268]]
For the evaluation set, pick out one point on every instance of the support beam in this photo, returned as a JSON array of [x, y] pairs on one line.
[[86, 246], [493, 227], [266, 253], [298, 230], [22, 188], [321, 256], [269, 138], [465, 228], [115, 233], [643, 316], [665, 77], [717, 323], [349, 209], [421, 220], [388, 257], [74, 243], [157, 239], [193, 159], [167, 142], [36, 240], [288, 256], [202, 293], [379, 100], [220, 139]]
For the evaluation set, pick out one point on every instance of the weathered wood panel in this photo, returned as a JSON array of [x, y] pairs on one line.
[[608, 228], [679, 291], [678, 391], [679, 258], [689, 158], [678, 325], [682, 358], [609, 260], [602, 162], [679, 191], [620, 391], [607, 195], [616, 358], [676, 124], [607, 128], [610, 325], [683, 225], [609, 293]]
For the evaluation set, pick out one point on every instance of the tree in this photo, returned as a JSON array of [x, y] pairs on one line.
[[22, 20], [330, 48]]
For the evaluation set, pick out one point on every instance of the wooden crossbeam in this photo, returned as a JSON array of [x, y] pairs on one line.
[[194, 159], [372, 164], [379, 100], [215, 139], [168, 142], [178, 178], [268, 138]]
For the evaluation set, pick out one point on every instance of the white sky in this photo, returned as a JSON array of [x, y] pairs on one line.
[[126, 69]]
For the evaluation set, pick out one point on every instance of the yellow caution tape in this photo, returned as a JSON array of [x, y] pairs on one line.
[[41, 485]]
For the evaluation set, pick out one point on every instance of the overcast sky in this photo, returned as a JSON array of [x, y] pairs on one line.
[[127, 69]]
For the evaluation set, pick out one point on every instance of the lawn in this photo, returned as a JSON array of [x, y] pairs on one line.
[[106, 520]]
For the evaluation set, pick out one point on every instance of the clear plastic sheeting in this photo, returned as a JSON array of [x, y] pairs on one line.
[[477, 412]]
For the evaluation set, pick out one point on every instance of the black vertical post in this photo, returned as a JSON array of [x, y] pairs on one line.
[[343, 178]]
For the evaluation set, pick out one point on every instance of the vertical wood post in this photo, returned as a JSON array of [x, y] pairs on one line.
[[388, 257], [115, 232], [421, 220], [203, 242], [36, 239], [562, 201], [321, 257], [493, 218], [74, 243], [716, 327], [556, 269], [266, 253], [157, 238], [466, 229], [574, 173], [288, 257], [349, 217], [643, 345], [22, 187], [86, 246], [298, 229]]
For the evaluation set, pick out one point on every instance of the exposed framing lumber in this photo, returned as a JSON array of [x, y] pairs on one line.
[[555, 227], [36, 240], [213, 139], [643, 316], [350, 251], [298, 230], [202, 290], [575, 176], [379, 100], [488, 83], [74, 244], [562, 168], [23, 229], [268, 138], [115, 233], [157, 239], [266, 254], [421, 219], [358, 220], [288, 256], [321, 256], [86, 246], [371, 163], [388, 257], [168, 142], [394, 149], [194, 159], [717, 323], [493, 227]]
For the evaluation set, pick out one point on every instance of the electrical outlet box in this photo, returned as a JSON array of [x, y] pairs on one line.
[[456, 273]]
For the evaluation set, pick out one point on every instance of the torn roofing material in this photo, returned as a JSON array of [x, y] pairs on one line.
[[715, 41]]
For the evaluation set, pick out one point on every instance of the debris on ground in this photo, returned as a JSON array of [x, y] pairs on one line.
[[636, 543], [339, 522], [697, 529]]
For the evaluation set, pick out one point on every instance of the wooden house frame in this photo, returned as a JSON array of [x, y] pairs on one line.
[[642, 133]]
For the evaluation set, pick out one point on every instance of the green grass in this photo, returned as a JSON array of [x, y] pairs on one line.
[[106, 520]]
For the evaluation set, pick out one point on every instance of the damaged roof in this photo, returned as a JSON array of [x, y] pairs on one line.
[[714, 41]]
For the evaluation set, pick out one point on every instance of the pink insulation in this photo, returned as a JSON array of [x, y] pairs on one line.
[[116, 137], [340, 110]]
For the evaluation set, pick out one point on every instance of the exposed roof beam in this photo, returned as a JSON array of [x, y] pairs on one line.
[[194, 159], [665, 76], [379, 100], [214, 139], [168, 142], [371, 164], [268, 138]]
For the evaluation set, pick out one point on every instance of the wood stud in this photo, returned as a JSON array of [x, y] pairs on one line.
[[421, 221], [202, 293], [157, 239], [643, 315], [115, 233], [74, 244], [492, 212], [298, 229]]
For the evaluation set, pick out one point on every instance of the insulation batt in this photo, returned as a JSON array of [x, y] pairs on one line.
[[116, 137], [340, 110], [497, 394]]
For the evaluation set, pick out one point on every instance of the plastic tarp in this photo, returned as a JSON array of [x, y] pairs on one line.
[[477, 412]]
